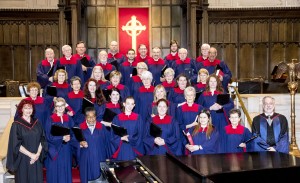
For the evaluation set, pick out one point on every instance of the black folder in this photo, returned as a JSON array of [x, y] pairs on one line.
[[198, 95], [52, 91], [155, 131], [223, 99], [107, 76], [106, 93], [57, 130], [78, 134], [109, 115], [115, 63], [134, 71], [50, 72], [85, 104], [85, 62], [119, 130], [218, 67], [163, 71]]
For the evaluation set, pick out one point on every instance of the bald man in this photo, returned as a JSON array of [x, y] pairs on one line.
[[107, 67], [114, 54]]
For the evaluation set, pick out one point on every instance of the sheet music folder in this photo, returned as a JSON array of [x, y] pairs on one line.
[[52, 91], [78, 134], [85, 104], [57, 130], [119, 130], [109, 115], [155, 131]]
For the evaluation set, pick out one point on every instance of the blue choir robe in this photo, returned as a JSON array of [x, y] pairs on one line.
[[211, 68], [143, 97], [210, 144], [176, 96], [134, 84], [170, 59], [138, 58], [100, 109], [59, 160], [276, 135], [107, 68], [114, 107], [171, 109], [62, 91], [197, 63], [120, 58], [75, 102], [73, 67], [135, 129], [155, 67], [168, 86], [103, 84], [41, 72], [126, 71], [124, 91], [96, 152], [234, 137], [200, 87], [219, 120], [86, 74], [185, 114], [170, 133], [181, 67]]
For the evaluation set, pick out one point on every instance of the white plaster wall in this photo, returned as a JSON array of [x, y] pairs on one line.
[[28, 4], [252, 3]]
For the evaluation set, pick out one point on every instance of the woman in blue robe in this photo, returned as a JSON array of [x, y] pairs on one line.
[[176, 95], [169, 139], [98, 75], [208, 99], [94, 149], [129, 146], [235, 135], [136, 81], [59, 160], [201, 80], [115, 78], [168, 80], [205, 138]]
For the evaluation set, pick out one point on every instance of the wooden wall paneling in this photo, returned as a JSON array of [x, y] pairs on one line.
[[37, 55], [1, 33], [250, 31], [22, 34], [156, 16], [296, 28], [21, 63], [156, 37], [47, 34], [156, 2], [274, 31], [54, 34], [176, 15], [32, 34], [111, 2], [111, 16], [261, 61], [265, 31], [282, 30], [212, 33], [92, 37], [101, 37], [176, 2], [166, 15], [91, 2], [123, 2], [243, 37], [292, 51], [246, 61], [226, 32], [93, 53], [6, 68], [165, 37], [101, 16], [165, 1], [111, 35], [14, 34], [258, 32], [7, 33], [40, 34], [289, 31], [277, 55], [91, 16], [229, 52], [101, 2], [219, 32], [176, 33], [234, 32]]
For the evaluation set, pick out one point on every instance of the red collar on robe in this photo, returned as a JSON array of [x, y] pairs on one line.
[[207, 93], [127, 63], [46, 63], [72, 94], [171, 57], [140, 59], [117, 55], [239, 129], [169, 85], [106, 67], [64, 61], [186, 61], [201, 59], [200, 85], [77, 56], [57, 85], [166, 120], [110, 105], [119, 86], [186, 108], [142, 89], [160, 61], [207, 63], [178, 90], [202, 129], [84, 125], [93, 100], [38, 100], [24, 123], [124, 117], [57, 119], [101, 82], [136, 79]]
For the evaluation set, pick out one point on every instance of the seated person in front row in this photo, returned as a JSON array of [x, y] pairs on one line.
[[236, 135], [94, 149], [205, 137], [271, 128]]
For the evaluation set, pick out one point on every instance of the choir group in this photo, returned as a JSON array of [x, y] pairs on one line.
[[128, 106]]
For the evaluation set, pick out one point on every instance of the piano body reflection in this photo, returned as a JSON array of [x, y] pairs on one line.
[[238, 167]]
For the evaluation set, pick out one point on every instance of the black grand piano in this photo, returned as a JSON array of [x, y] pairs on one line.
[[239, 167]]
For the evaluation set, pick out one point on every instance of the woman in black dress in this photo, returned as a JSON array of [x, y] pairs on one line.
[[27, 145]]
